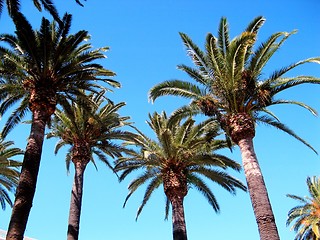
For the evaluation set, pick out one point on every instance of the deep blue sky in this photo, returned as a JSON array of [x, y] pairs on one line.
[[145, 50]]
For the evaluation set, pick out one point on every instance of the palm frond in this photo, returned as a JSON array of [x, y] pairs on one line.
[[202, 187], [174, 87], [284, 128], [301, 104], [153, 185]]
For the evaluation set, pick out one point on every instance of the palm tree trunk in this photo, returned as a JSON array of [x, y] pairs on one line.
[[76, 201], [258, 191], [178, 219], [28, 178]]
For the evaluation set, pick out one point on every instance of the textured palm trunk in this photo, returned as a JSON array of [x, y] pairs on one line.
[[175, 188], [28, 178], [76, 202], [178, 220], [258, 191]]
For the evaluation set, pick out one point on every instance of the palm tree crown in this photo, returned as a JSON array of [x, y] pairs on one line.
[[90, 130], [9, 172], [228, 79], [306, 217], [47, 65], [179, 159]]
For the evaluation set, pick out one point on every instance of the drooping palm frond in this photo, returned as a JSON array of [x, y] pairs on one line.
[[183, 89], [274, 123]]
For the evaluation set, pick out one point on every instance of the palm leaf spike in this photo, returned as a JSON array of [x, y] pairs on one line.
[[154, 184], [223, 39], [254, 27], [196, 54]]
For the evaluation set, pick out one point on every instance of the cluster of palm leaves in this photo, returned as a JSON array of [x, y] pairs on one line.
[[307, 215], [53, 76], [9, 171]]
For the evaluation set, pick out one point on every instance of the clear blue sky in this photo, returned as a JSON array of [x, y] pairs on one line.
[[145, 49]]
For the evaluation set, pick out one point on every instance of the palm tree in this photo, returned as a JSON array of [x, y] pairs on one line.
[[179, 159], [307, 215], [229, 86], [90, 131], [40, 69], [9, 172]]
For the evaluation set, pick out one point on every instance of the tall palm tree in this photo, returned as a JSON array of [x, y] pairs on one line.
[[307, 215], [180, 158], [9, 171], [229, 86], [89, 131], [40, 69]]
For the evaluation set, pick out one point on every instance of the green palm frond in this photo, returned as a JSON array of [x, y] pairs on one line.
[[175, 87], [223, 36], [282, 84], [221, 178], [194, 74], [196, 54], [136, 183], [186, 111], [202, 187], [152, 186], [301, 104], [214, 58], [266, 50], [284, 128], [15, 117], [255, 24]]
